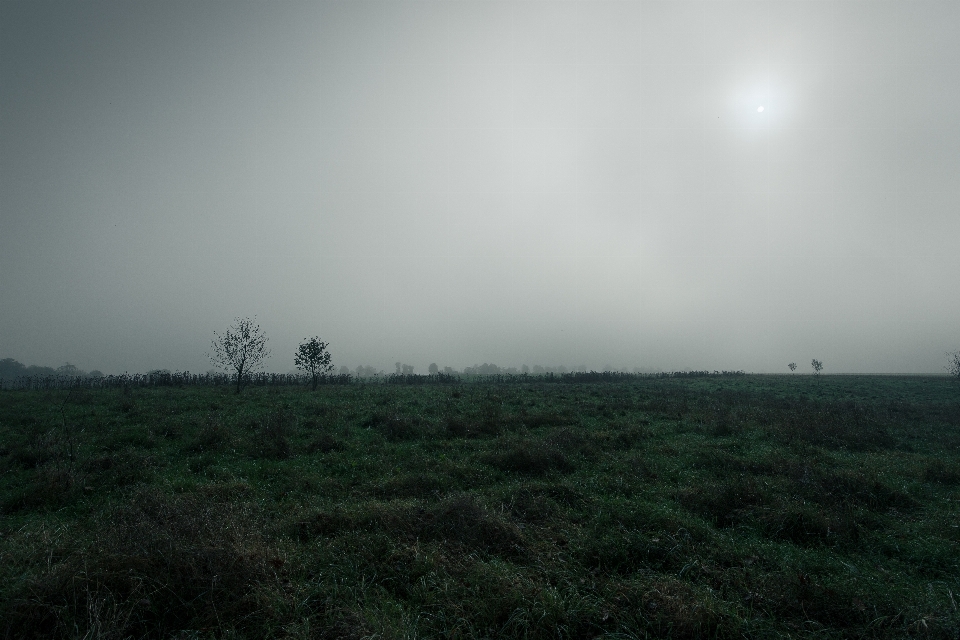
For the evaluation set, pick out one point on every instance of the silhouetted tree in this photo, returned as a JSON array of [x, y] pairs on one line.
[[433, 369], [793, 366], [313, 357], [817, 367], [241, 349]]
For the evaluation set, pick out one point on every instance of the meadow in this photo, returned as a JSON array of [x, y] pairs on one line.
[[720, 506]]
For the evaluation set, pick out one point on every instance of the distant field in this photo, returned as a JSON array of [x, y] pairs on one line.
[[722, 506]]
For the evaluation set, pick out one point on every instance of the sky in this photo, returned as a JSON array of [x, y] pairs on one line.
[[585, 183]]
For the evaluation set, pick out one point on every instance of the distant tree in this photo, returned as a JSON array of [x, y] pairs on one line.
[[241, 349], [37, 370], [159, 376], [525, 369], [953, 364], [817, 367], [398, 368], [344, 370], [407, 369], [433, 369], [485, 369], [10, 369], [793, 366], [367, 371], [313, 357], [70, 370], [96, 373]]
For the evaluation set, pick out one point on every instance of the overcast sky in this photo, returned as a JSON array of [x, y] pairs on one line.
[[583, 183]]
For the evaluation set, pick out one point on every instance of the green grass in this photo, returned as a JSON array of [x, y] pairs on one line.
[[729, 506]]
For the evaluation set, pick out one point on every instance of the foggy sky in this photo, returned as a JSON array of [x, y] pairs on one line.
[[558, 183]]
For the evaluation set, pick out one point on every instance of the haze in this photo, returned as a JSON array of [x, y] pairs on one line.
[[556, 183]]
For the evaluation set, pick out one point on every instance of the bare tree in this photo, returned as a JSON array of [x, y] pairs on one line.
[[313, 357], [953, 364], [241, 349], [793, 366]]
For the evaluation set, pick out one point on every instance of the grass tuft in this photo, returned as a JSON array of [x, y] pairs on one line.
[[530, 457]]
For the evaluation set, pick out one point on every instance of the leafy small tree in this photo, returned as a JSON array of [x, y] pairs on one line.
[[793, 366], [313, 357], [817, 367], [241, 349], [953, 364]]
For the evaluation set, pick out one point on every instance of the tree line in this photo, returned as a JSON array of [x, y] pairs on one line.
[[11, 369], [242, 349]]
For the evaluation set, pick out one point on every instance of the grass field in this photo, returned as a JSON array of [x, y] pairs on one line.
[[721, 507]]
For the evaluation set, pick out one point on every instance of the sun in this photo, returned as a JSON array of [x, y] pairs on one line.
[[759, 98]]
